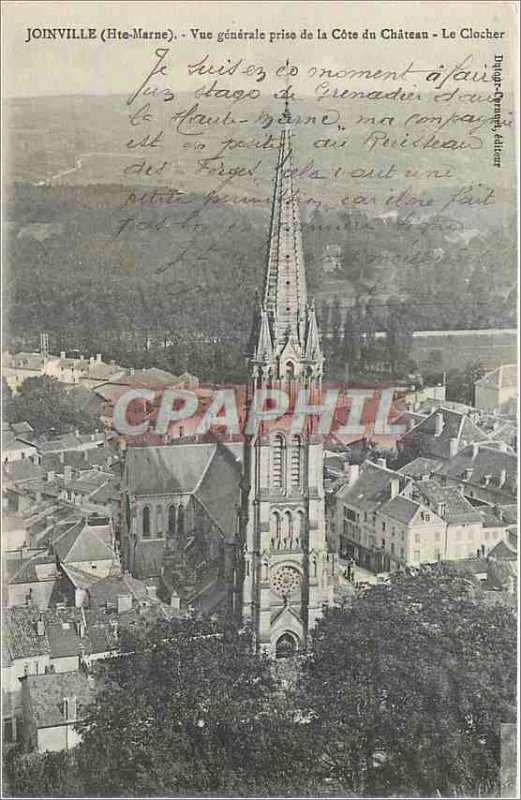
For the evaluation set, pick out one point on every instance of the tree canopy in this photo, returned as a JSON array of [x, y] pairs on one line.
[[402, 693]]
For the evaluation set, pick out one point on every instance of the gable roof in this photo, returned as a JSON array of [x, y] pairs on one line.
[[454, 426], [166, 469], [401, 509], [420, 466], [503, 551]]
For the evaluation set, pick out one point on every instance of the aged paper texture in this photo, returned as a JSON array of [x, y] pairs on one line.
[[260, 387]]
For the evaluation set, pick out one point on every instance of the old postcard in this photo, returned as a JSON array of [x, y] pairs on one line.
[[260, 387]]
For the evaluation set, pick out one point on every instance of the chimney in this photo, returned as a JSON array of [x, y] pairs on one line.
[[69, 708], [382, 462], [131, 371], [62, 457], [67, 473], [98, 358], [503, 447], [453, 447], [486, 479], [124, 603], [40, 627], [394, 486], [80, 628], [91, 360], [441, 508], [51, 475], [502, 477], [353, 471], [438, 421], [468, 473], [475, 450], [426, 476], [175, 601], [62, 354], [152, 592]]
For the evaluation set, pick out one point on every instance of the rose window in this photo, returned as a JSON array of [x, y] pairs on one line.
[[285, 581]]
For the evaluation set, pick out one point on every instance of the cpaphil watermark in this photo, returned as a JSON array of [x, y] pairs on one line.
[[497, 97], [235, 411]]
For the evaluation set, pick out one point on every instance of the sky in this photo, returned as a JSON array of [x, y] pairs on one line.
[[45, 67]]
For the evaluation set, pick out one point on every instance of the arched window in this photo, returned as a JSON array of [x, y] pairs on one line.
[[277, 529], [172, 520], [159, 521], [296, 462], [290, 371], [277, 462], [181, 521], [287, 646], [298, 529], [146, 522], [287, 530]]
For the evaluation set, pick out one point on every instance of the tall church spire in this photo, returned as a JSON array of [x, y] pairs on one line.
[[284, 308]]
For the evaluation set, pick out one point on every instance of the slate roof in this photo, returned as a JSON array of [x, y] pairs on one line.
[[28, 570], [401, 509], [420, 466], [457, 507], [486, 461], [108, 589], [166, 469], [455, 426], [22, 428], [23, 470], [29, 361], [504, 551], [81, 543], [500, 378], [48, 691], [371, 489], [79, 578]]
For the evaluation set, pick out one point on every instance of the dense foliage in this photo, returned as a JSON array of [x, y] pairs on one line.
[[403, 693], [183, 298], [47, 407]]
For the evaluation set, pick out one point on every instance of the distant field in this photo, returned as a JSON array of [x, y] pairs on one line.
[[448, 350]]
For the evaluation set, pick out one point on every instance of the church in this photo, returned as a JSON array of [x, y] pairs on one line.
[[241, 524]]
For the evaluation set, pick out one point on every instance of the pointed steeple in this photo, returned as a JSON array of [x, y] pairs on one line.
[[285, 319]]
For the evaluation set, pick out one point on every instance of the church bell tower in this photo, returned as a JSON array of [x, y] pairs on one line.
[[288, 572]]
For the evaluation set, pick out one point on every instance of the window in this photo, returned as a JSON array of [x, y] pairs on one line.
[[181, 521], [159, 521], [146, 522], [426, 516], [392, 548], [417, 538], [349, 514], [365, 516], [172, 520], [437, 536], [296, 462], [487, 536], [393, 531], [383, 542], [416, 555], [371, 541], [277, 454], [402, 552], [383, 526]]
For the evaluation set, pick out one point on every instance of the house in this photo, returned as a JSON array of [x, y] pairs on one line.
[[463, 535], [88, 548], [21, 366], [409, 532], [497, 390], [51, 706], [486, 473], [15, 447], [441, 436], [31, 581], [357, 500]]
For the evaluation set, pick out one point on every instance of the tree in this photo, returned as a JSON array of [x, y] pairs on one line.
[[187, 711], [47, 408], [460, 384], [408, 687]]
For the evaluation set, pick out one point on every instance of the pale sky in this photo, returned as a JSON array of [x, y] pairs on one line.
[[69, 67]]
